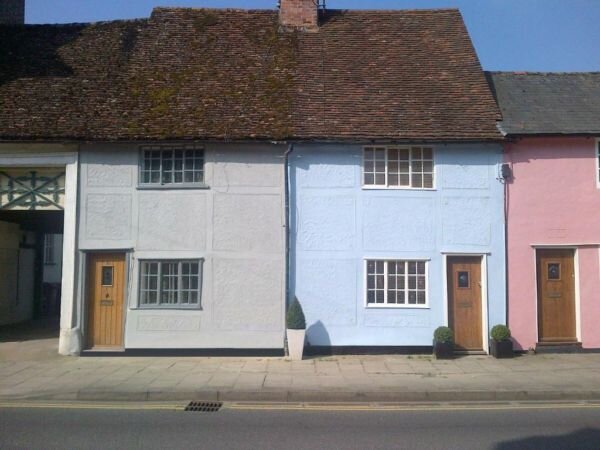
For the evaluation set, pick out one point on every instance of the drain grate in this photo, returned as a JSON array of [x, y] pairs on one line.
[[204, 406]]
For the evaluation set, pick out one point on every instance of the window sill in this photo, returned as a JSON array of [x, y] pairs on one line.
[[171, 187], [397, 306], [168, 308]]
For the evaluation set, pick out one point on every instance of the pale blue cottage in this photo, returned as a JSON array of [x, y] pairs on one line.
[[372, 265]]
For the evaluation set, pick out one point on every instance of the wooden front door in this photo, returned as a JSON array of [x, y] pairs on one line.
[[106, 286], [464, 301], [556, 295]]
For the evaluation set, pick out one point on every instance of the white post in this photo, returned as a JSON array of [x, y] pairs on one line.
[[70, 335]]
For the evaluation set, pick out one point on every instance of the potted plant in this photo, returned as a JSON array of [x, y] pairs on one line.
[[443, 343], [296, 330], [501, 345]]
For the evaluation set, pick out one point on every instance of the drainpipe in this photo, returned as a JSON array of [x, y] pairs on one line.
[[506, 150], [286, 155]]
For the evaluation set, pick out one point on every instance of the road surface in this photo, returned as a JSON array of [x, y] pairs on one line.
[[163, 426]]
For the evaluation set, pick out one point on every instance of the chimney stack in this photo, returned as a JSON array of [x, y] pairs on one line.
[[299, 14], [12, 12]]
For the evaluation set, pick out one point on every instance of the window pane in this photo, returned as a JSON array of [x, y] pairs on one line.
[[412, 282], [428, 180], [417, 181], [412, 297], [371, 297], [392, 297]]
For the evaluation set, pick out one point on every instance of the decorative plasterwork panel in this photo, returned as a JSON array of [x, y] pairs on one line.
[[32, 189]]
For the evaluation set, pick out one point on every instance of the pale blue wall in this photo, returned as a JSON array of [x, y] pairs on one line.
[[336, 224]]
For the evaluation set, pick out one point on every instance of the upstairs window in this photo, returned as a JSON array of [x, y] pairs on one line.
[[170, 284], [398, 167], [172, 165]]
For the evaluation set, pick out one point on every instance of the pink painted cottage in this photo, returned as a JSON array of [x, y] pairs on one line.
[[552, 205]]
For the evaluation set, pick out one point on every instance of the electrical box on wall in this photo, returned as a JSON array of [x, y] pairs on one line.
[[505, 171]]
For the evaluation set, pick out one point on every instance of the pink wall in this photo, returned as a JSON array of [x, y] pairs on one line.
[[552, 200]]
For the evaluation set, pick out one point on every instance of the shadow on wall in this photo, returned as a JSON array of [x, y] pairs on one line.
[[585, 438], [317, 333]]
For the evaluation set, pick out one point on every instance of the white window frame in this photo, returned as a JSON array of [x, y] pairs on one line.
[[597, 157], [399, 147], [385, 284], [171, 185], [158, 305], [49, 249]]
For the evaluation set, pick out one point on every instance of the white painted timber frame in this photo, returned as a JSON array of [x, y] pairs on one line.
[[368, 305], [484, 295], [597, 158], [52, 155], [575, 249], [386, 186]]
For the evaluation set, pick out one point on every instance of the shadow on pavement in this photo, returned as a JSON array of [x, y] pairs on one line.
[[30, 341], [586, 438], [30, 331]]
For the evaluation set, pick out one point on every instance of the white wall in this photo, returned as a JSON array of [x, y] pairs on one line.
[[236, 225]]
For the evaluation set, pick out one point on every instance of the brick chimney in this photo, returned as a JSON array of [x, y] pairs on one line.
[[12, 12], [299, 14]]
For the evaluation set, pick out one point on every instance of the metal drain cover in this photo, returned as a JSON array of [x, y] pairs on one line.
[[204, 406]]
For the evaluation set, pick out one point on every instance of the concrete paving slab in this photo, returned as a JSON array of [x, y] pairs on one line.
[[331, 378]]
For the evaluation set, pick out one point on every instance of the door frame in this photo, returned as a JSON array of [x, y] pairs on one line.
[[484, 289], [85, 313], [535, 286]]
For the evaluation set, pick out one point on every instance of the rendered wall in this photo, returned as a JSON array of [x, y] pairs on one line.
[[336, 224], [236, 225], [553, 200]]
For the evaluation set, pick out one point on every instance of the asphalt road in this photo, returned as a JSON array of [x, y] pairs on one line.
[[69, 427]]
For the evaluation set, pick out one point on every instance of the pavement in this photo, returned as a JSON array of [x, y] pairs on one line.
[[31, 369]]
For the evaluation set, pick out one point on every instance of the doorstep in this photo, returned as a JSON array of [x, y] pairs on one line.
[[559, 347]]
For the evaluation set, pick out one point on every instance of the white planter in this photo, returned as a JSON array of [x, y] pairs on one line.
[[295, 340]]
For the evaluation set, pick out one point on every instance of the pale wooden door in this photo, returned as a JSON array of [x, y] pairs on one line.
[[464, 302], [106, 286], [556, 295]]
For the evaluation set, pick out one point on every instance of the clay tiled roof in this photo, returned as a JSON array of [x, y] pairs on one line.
[[548, 103], [230, 74]]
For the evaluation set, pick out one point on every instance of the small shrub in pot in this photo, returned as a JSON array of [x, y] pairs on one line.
[[501, 345], [443, 343], [295, 316]]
